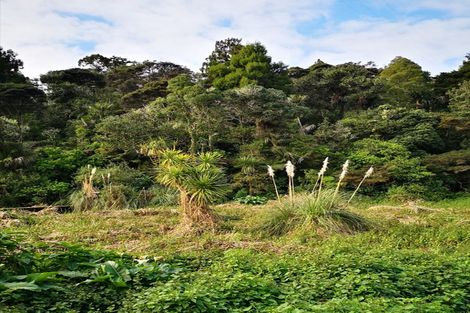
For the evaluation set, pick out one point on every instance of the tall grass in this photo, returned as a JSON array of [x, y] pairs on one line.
[[327, 212], [320, 209]]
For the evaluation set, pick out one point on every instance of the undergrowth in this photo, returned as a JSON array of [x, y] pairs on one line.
[[414, 259]]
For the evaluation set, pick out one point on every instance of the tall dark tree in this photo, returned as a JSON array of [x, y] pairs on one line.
[[75, 76], [141, 83], [446, 81], [223, 51], [18, 95], [194, 111], [70, 92], [10, 67], [101, 63], [265, 112], [330, 91]]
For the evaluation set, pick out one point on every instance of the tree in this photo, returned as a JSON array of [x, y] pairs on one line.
[[146, 94], [21, 104], [446, 81], [18, 95], [198, 179], [406, 83], [141, 83], [19, 99], [416, 129], [296, 72], [452, 167], [459, 99], [252, 168], [85, 127], [454, 124], [330, 91], [250, 65], [10, 67], [392, 161], [101, 63], [121, 136], [10, 134], [194, 110], [70, 92], [76, 76], [266, 111], [223, 52]]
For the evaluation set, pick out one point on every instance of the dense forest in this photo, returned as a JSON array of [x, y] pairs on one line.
[[108, 113]]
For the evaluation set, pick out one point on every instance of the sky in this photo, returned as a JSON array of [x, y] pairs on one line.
[[55, 34]]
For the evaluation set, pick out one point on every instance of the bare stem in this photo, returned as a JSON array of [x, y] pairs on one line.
[[291, 189], [336, 193], [314, 187], [319, 188], [275, 188], [357, 188]]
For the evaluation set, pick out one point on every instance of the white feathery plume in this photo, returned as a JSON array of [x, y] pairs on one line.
[[345, 170], [93, 171], [324, 167], [341, 177], [290, 169], [369, 172], [321, 173], [270, 171]]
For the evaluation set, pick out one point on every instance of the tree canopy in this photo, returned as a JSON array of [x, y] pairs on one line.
[[247, 109]]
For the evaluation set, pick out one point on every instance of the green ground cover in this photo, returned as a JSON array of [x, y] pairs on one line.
[[414, 258]]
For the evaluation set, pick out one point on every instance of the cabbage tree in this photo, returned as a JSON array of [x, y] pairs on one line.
[[199, 180]]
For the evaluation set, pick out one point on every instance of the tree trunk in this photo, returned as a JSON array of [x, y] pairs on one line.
[[196, 217], [260, 131], [192, 147]]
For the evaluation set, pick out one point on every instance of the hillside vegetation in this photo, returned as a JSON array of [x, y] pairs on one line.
[[250, 111], [249, 186]]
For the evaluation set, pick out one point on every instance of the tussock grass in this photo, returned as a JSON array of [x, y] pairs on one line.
[[326, 211]]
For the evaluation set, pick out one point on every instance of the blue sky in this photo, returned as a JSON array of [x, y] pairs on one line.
[[54, 34]]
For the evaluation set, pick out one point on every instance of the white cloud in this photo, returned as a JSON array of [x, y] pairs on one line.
[[429, 43], [184, 32]]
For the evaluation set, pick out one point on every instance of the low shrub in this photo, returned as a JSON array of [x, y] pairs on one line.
[[69, 278], [160, 196], [116, 187], [253, 200], [433, 191], [330, 281]]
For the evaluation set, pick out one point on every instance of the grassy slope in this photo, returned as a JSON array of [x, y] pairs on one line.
[[397, 264], [426, 226]]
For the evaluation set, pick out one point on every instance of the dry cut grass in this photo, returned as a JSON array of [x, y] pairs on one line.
[[152, 231]]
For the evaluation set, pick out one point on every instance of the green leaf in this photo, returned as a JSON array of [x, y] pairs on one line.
[[40, 277], [20, 286]]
